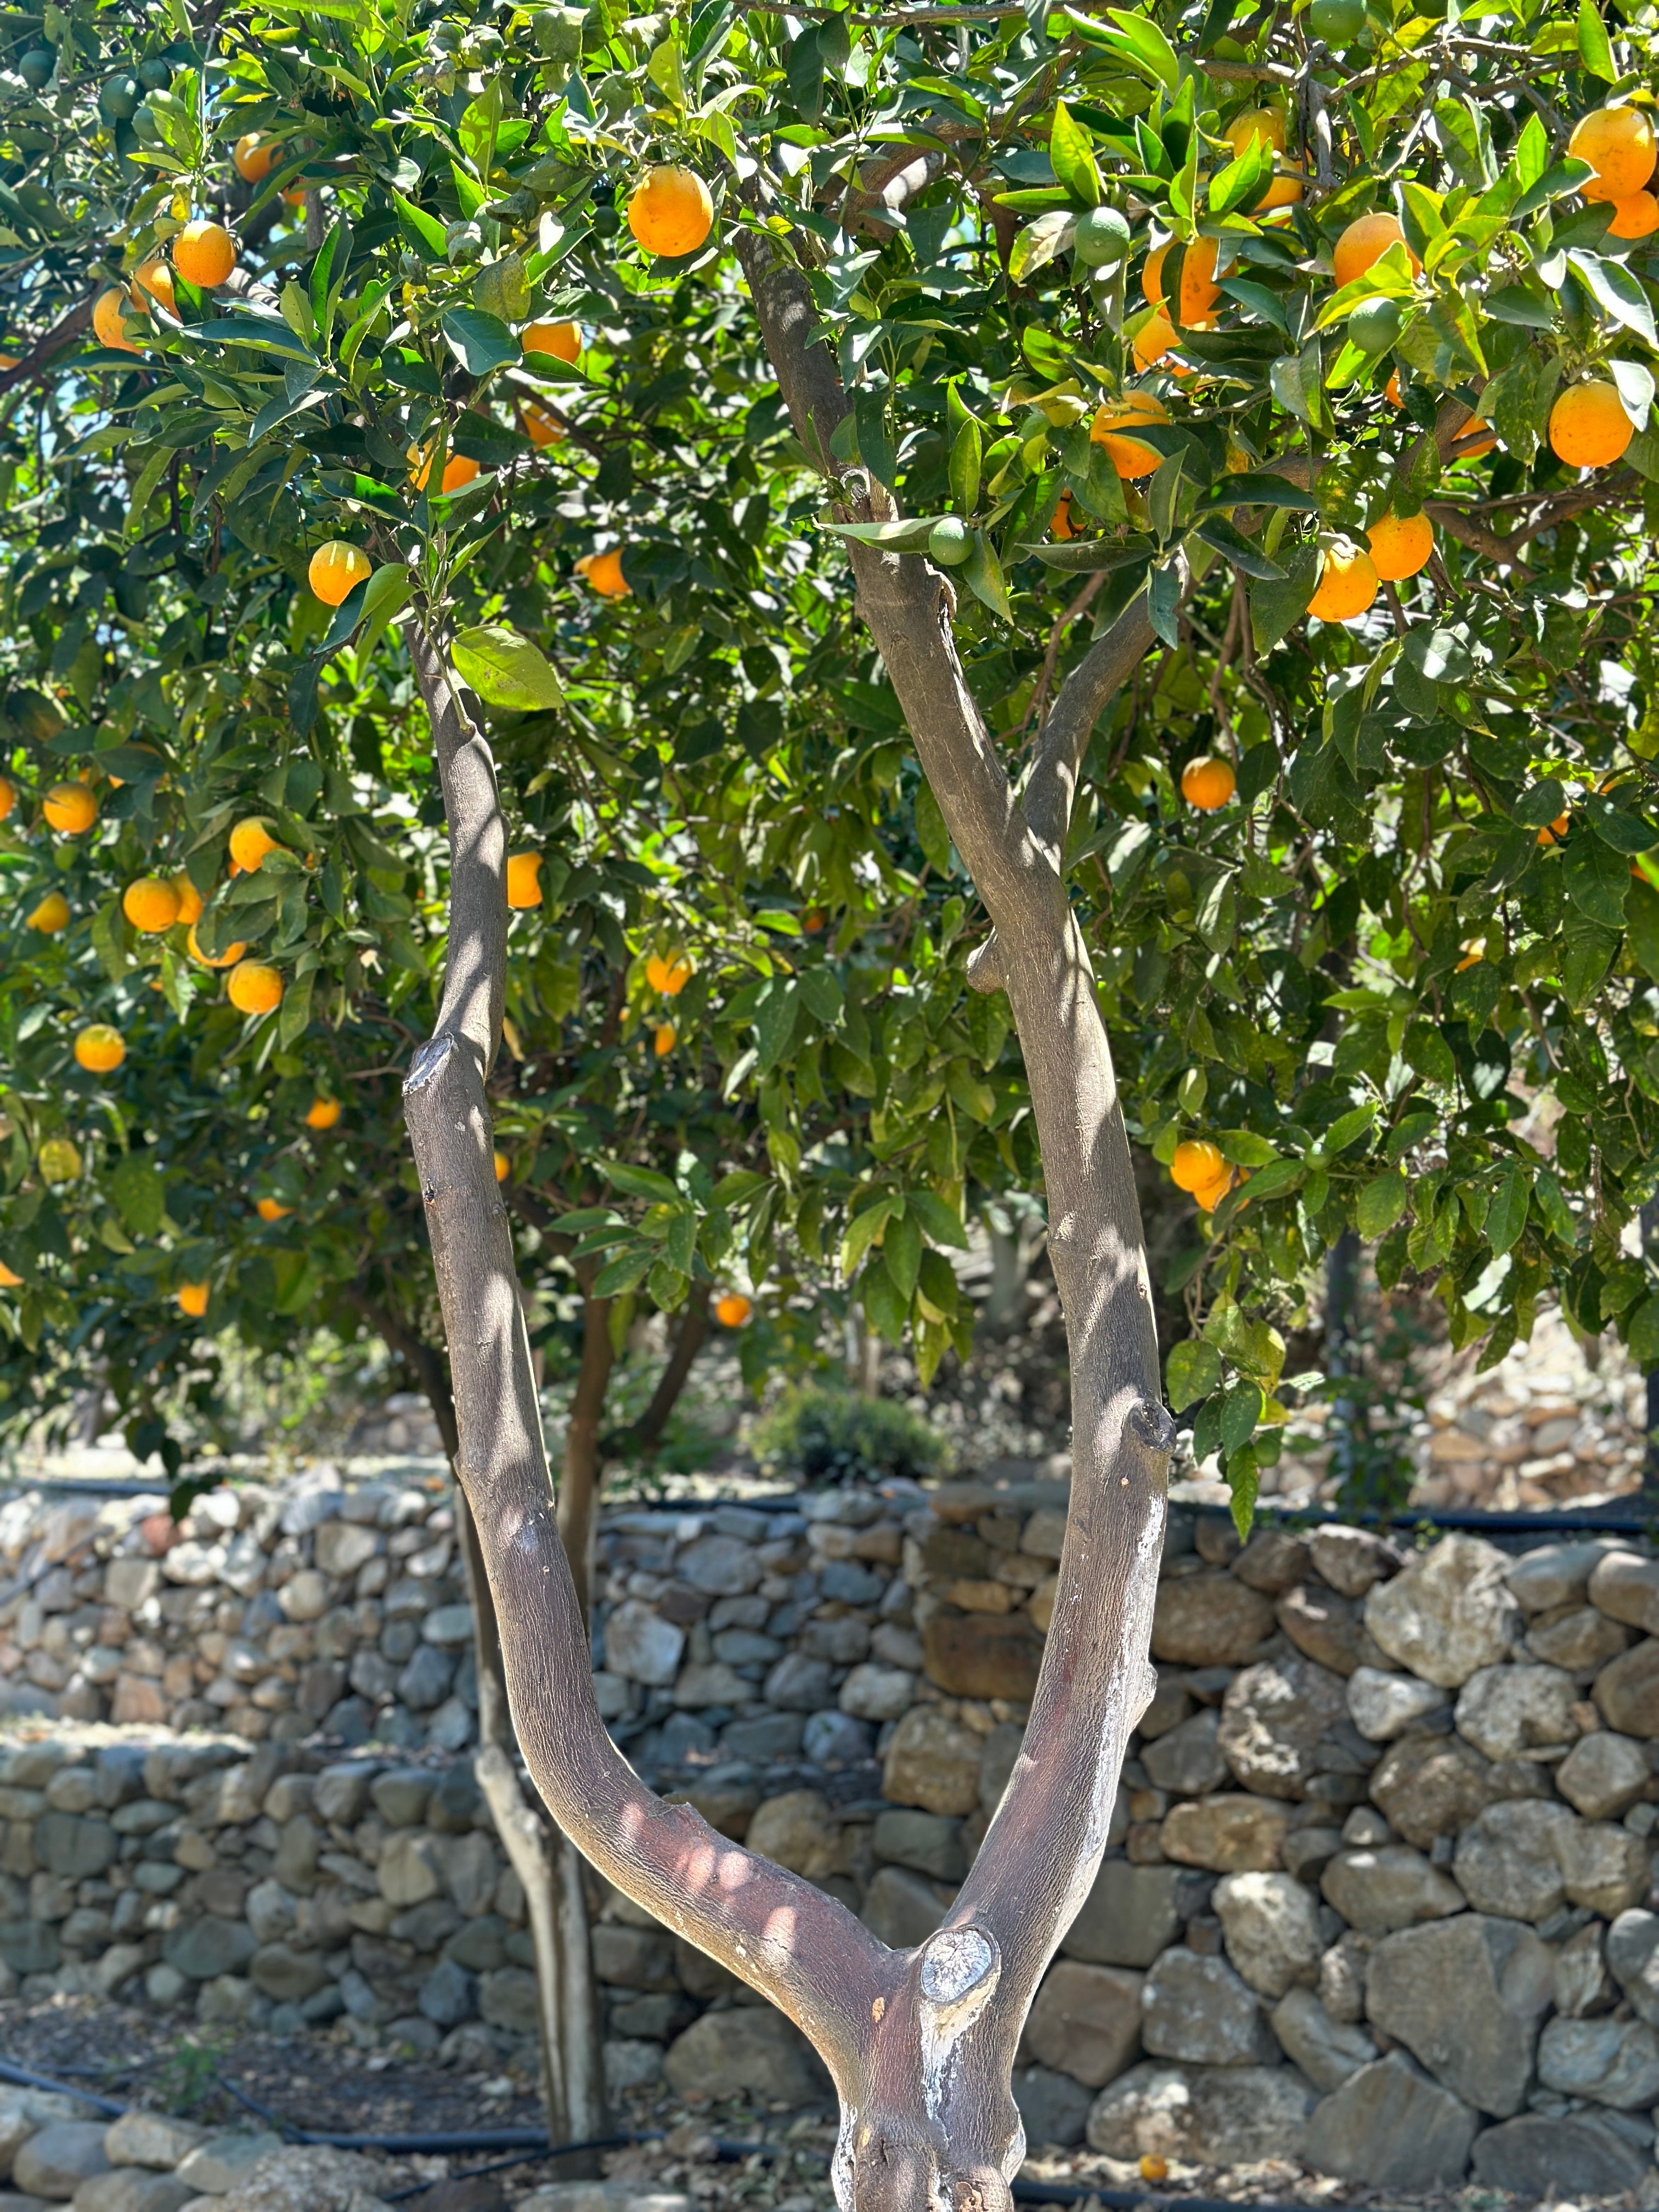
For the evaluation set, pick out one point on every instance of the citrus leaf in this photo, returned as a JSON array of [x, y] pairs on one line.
[[506, 670]]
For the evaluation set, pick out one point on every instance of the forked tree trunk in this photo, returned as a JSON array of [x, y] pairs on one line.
[[920, 2043]]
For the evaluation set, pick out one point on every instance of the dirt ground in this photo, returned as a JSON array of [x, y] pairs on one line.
[[323, 2083]]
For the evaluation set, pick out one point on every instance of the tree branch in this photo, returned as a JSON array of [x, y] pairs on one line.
[[645, 1433]]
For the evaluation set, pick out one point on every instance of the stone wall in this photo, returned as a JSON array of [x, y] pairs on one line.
[[1379, 1894]]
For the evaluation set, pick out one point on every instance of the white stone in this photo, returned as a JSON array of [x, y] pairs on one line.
[[1271, 1929], [1382, 1706], [1604, 1774], [1447, 1614], [874, 1692], [642, 1646], [1507, 1711], [1389, 1885]]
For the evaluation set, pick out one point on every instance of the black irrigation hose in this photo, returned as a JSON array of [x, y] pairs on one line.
[[1139, 2200], [26, 2078]]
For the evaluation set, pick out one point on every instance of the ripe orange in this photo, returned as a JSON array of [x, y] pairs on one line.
[[1128, 455], [1199, 290], [1473, 438], [204, 253], [8, 1281], [255, 157], [154, 279], [1284, 188], [337, 569], [99, 1049], [562, 340], [1618, 145], [1636, 217], [151, 905], [503, 1165], [1062, 525], [671, 211], [254, 987], [7, 798], [271, 1209], [49, 916], [59, 1160], [192, 1299], [1196, 1162], [1348, 582], [323, 1114], [1265, 123], [1392, 393], [811, 921], [1365, 241], [189, 898], [523, 887], [1401, 547], [668, 976], [732, 1309], [1154, 2168], [603, 572], [1589, 427], [70, 808], [1156, 337], [227, 958], [1554, 832], [250, 842], [663, 1039], [540, 427], [107, 309], [1208, 783], [459, 472]]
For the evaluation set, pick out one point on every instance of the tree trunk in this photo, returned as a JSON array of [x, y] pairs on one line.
[[646, 1434], [920, 2043], [579, 1483]]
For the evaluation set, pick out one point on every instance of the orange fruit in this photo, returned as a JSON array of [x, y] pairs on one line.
[[99, 1049], [1618, 145], [151, 905], [732, 1309], [250, 842], [1589, 425], [562, 340], [49, 916], [503, 1165], [1128, 455], [107, 310], [668, 976], [671, 212], [1154, 2168], [1209, 1196], [1156, 337], [8, 1281], [603, 572], [540, 427], [189, 898], [152, 280], [1062, 525], [1554, 832], [459, 472], [1400, 547], [1473, 437], [255, 157], [227, 958], [204, 253], [1635, 216], [271, 1209], [1392, 393], [254, 987], [1199, 290], [1196, 1162], [1265, 123], [1364, 242], [7, 798], [70, 808], [664, 1038], [323, 1114], [1284, 188], [1348, 582], [192, 1299], [337, 569], [523, 871], [1208, 783], [59, 1160], [811, 921]]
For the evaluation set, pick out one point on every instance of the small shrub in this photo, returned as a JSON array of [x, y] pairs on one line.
[[836, 1436]]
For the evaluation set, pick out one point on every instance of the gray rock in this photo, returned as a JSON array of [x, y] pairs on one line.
[[1390, 2126], [634, 1957], [901, 1908], [1579, 1638], [424, 1682], [1273, 1719], [506, 1999], [763, 1737], [1430, 1786], [837, 1738], [629, 2062], [1230, 1834], [77, 1849], [203, 1950], [132, 2188], [1464, 1996], [1392, 1886], [641, 1645], [603, 2196], [1632, 1954], [1188, 1760], [1576, 2156], [1327, 2051], [1581, 1983], [1555, 1575], [1271, 1561], [1086, 2021], [151, 2139], [1626, 1587], [749, 2051], [1507, 1711], [1610, 2061], [714, 1684], [401, 1796], [932, 1761], [1326, 1628], [1212, 2115], [720, 1566], [1447, 1614], [1052, 2108], [1132, 1913], [996, 1762], [1525, 1857], [797, 1831], [1603, 1775], [340, 1549], [1351, 1560], [874, 1692], [1209, 1621], [54, 2163], [287, 1977], [925, 1841], [221, 2164], [409, 1871], [1605, 1866], [449, 1626], [1270, 1928], [800, 1684], [307, 2178], [1626, 1691], [1195, 2007]]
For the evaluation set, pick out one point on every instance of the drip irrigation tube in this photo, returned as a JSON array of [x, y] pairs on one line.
[[26, 2078]]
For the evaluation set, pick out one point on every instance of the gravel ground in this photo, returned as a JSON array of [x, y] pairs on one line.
[[121, 2052]]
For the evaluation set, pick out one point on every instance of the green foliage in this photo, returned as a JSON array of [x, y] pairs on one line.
[[841, 1436]]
